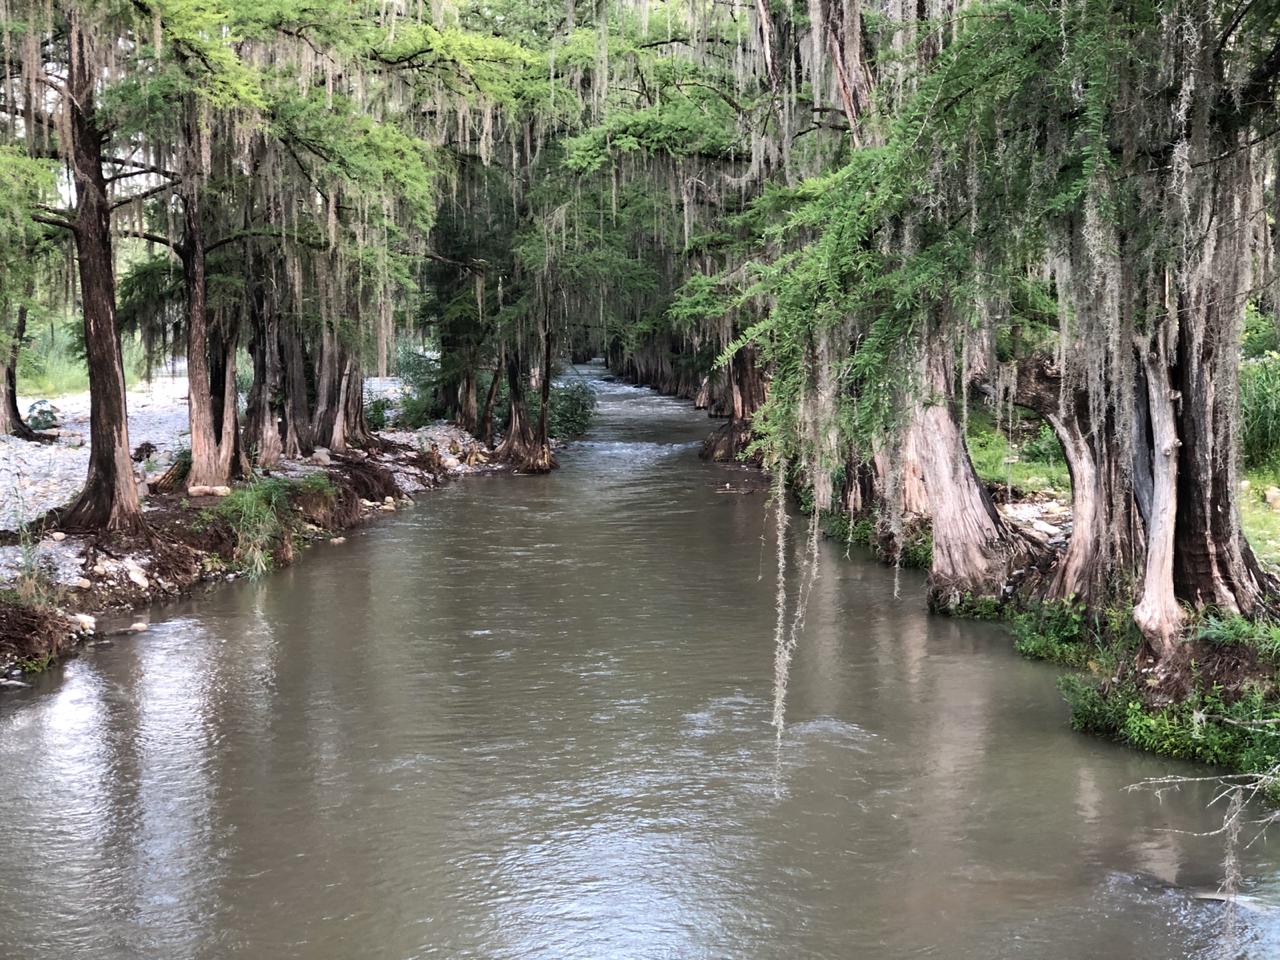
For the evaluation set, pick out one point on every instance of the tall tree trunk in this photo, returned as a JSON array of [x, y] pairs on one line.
[[973, 549], [263, 413], [1106, 542], [486, 416], [109, 500], [299, 436], [11, 422], [518, 447], [211, 404]]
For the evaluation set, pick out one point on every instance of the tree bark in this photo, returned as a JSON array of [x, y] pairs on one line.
[[11, 422], [973, 549], [518, 447], [109, 500]]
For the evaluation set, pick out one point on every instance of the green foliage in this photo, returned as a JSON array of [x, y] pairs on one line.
[[1058, 631], [978, 607], [1260, 410], [571, 410], [260, 515], [376, 413], [1032, 466], [1233, 732], [1261, 333], [1226, 630]]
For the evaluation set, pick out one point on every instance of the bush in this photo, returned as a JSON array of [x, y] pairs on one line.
[[1058, 631], [573, 407], [1262, 636], [376, 412], [1260, 410], [260, 516]]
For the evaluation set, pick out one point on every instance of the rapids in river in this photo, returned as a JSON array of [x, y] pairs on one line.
[[531, 718]]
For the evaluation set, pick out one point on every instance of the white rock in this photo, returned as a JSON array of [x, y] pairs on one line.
[[100, 569], [1048, 529], [388, 499], [450, 463], [58, 536], [199, 490], [138, 627], [220, 491], [138, 577], [84, 584], [337, 540], [86, 623], [389, 506]]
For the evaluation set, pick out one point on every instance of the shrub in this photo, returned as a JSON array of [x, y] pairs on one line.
[[377, 413], [1057, 630], [260, 517], [1260, 410], [572, 408]]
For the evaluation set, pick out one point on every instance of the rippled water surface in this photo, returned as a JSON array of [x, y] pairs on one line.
[[529, 718]]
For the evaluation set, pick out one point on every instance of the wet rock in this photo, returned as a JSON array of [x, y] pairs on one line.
[[85, 622], [136, 575], [337, 540], [139, 627], [13, 684]]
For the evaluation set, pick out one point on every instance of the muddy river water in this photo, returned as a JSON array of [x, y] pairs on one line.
[[529, 718]]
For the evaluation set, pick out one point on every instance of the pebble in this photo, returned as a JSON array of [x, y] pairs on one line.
[[58, 537], [84, 584]]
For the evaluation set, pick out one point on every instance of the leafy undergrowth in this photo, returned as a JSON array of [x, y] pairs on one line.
[[1032, 464], [1220, 706], [263, 517], [917, 546]]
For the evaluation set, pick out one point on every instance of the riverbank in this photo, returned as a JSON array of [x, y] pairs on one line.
[[58, 588]]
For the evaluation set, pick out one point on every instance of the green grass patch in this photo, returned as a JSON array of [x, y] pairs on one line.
[[1033, 463]]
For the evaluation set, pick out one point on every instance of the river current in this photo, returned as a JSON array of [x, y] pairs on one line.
[[530, 718]]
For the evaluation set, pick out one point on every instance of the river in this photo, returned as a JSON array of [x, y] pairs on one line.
[[530, 718]]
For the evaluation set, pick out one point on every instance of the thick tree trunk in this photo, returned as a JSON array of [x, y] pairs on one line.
[[264, 410], [1106, 540], [973, 549], [518, 446], [109, 500], [209, 466], [468, 418], [1213, 564], [744, 392], [486, 417], [11, 422]]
